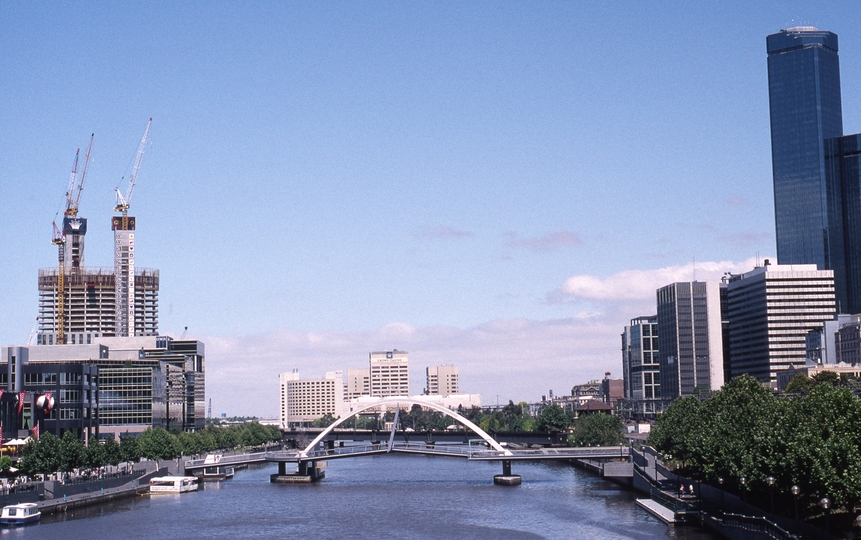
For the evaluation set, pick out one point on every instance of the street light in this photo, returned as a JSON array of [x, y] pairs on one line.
[[795, 491], [720, 483], [770, 481], [743, 481], [826, 505]]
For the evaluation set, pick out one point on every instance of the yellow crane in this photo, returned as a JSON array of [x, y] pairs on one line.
[[73, 200]]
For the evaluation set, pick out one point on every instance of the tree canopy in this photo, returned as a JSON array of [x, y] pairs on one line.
[[598, 429], [809, 440], [50, 454]]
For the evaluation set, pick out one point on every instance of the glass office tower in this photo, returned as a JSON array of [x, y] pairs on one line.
[[843, 183], [805, 108]]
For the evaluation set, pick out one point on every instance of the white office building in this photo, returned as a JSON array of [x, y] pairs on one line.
[[303, 401]]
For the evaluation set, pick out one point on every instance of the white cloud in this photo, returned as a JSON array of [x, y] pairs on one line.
[[515, 359], [518, 359], [642, 284]]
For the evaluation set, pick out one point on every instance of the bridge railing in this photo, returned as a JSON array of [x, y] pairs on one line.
[[417, 447], [755, 524], [227, 460], [470, 451]]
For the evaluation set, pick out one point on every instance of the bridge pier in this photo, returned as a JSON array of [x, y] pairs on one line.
[[506, 478], [307, 472]]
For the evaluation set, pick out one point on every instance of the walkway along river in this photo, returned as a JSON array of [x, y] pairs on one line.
[[386, 496]]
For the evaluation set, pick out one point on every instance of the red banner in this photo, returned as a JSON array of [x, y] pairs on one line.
[[35, 432], [21, 396]]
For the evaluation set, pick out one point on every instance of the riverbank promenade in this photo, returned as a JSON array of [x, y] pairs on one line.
[[675, 498]]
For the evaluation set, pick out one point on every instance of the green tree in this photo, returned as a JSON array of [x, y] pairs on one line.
[[95, 455], [676, 427], [273, 433], [40, 457], [113, 455], [735, 433], [72, 453], [598, 429], [188, 443], [5, 464], [552, 418], [157, 444], [324, 421], [207, 440], [821, 445], [130, 449], [800, 383]]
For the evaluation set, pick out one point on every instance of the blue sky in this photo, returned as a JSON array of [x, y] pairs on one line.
[[500, 186]]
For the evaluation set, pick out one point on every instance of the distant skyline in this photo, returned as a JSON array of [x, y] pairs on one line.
[[500, 187]]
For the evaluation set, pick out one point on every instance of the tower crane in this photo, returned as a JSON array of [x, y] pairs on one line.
[[73, 200], [123, 202], [73, 192]]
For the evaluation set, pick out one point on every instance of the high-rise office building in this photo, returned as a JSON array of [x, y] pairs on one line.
[[389, 372], [442, 380], [641, 369], [358, 383], [843, 196], [805, 109], [690, 341], [771, 311], [306, 400]]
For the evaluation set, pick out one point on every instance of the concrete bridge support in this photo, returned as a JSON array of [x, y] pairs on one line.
[[506, 478], [308, 471]]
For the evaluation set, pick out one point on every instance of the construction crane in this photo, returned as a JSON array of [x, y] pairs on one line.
[[76, 186], [73, 200], [124, 269], [33, 332], [123, 202]]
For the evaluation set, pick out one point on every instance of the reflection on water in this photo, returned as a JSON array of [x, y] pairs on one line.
[[391, 496]]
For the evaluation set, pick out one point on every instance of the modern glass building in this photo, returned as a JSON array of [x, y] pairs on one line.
[[843, 191], [641, 370], [690, 340], [805, 109]]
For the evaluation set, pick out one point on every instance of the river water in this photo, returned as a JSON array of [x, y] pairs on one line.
[[392, 496]]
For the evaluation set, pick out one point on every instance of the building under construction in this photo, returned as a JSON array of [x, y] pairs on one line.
[[91, 307], [78, 304]]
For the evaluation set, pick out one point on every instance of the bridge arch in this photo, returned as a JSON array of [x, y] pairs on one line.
[[409, 401]]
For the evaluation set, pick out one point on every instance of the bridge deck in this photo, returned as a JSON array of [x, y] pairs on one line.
[[226, 460], [468, 452]]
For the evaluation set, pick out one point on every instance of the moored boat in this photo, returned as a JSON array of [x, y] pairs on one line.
[[20, 514], [172, 484]]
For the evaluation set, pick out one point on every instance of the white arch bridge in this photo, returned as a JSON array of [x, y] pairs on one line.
[[486, 448]]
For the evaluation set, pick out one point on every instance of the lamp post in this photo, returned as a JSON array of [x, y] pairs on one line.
[[795, 491], [826, 505], [771, 481], [720, 483], [743, 483]]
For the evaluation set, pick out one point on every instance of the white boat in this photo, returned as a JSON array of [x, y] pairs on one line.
[[172, 484], [20, 514]]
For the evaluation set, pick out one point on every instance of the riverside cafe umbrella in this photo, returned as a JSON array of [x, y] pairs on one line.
[[15, 444]]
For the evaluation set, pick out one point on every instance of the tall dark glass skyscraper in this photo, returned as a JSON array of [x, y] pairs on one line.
[[804, 99], [843, 191]]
